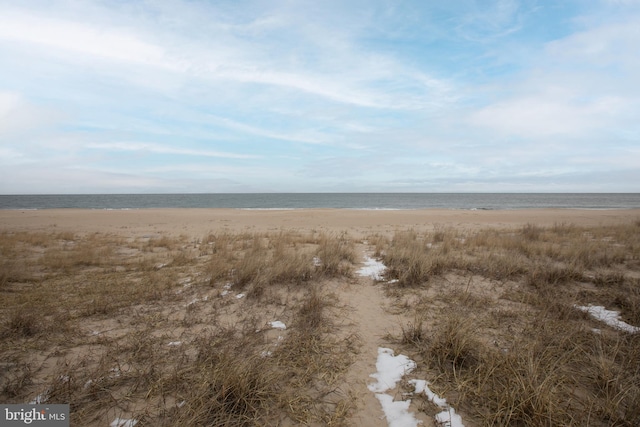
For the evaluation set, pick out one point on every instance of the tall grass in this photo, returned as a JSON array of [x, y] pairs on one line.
[[530, 360], [555, 254], [336, 254], [413, 260], [492, 324], [132, 327], [258, 261]]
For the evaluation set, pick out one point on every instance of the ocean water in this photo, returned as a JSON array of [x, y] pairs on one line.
[[327, 200]]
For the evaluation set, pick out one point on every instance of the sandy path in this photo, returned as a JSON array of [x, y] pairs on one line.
[[371, 322]]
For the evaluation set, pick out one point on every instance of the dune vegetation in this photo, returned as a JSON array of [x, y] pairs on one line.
[[253, 329]]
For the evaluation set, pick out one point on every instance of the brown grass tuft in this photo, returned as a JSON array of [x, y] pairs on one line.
[[454, 346], [336, 255], [22, 323], [413, 261]]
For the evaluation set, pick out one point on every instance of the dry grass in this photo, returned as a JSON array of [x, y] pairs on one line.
[[174, 332], [413, 260], [258, 261], [497, 331], [141, 328]]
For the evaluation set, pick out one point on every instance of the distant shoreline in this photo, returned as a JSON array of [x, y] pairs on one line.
[[198, 222], [355, 201]]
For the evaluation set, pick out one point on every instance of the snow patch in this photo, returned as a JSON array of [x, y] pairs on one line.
[[372, 268], [448, 417], [276, 324], [123, 422], [40, 399], [391, 369], [610, 317], [226, 289], [422, 386], [397, 412]]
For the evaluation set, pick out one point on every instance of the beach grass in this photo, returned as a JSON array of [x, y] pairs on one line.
[[242, 328], [168, 331], [497, 328]]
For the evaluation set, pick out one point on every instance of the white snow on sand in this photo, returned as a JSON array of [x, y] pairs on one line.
[[391, 369], [123, 422], [610, 317], [226, 288], [397, 413], [40, 399], [276, 324], [422, 386], [448, 417], [372, 268]]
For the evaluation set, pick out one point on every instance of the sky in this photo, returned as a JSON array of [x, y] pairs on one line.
[[201, 96]]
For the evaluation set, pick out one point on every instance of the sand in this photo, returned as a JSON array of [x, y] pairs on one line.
[[199, 222], [370, 315]]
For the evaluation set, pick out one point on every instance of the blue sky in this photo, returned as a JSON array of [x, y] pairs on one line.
[[143, 96]]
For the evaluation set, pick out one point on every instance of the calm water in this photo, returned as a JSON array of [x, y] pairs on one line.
[[325, 200]]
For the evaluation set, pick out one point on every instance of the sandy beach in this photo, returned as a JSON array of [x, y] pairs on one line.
[[322, 316], [199, 222]]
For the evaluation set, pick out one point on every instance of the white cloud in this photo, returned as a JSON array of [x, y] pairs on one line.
[[110, 43], [490, 21], [339, 71], [587, 82], [18, 116], [10, 156], [164, 149], [365, 95], [8, 103], [611, 43], [307, 136], [548, 115]]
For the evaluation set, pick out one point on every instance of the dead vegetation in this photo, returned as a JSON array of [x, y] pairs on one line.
[[172, 331], [496, 328]]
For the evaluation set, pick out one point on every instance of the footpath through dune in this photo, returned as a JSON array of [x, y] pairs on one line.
[[371, 322]]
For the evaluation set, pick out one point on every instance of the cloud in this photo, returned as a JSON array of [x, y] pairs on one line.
[[307, 136], [549, 114], [231, 52], [584, 83], [109, 43], [318, 96], [487, 22], [163, 149], [610, 44], [19, 116]]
